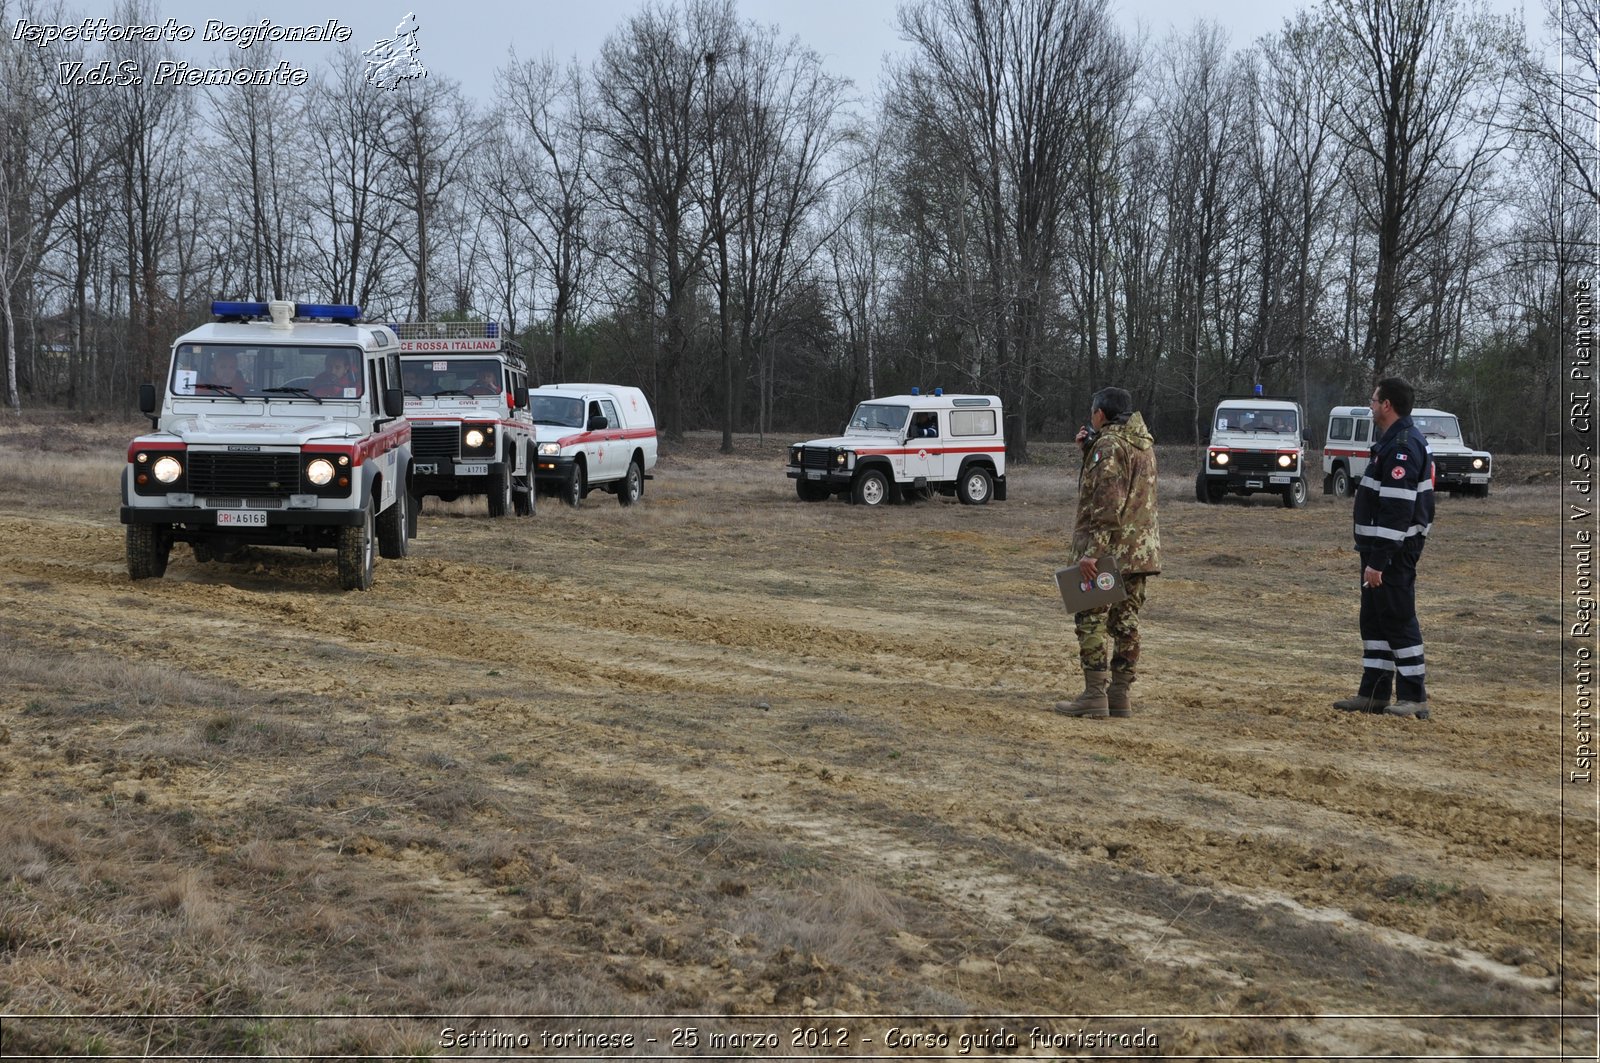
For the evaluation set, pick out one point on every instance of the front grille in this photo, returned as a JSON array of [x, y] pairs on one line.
[[1252, 461], [1455, 465], [432, 443], [816, 458], [243, 475], [245, 503]]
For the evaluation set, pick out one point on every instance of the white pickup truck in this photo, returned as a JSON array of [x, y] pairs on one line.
[[592, 437]]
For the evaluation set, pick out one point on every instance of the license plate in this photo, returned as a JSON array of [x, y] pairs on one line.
[[1278, 478], [426, 469], [1479, 477], [1253, 483], [241, 518], [480, 469], [814, 474]]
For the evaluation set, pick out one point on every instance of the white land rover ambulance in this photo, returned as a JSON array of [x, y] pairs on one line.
[[467, 400], [913, 445], [1457, 467], [1257, 445], [593, 437], [284, 432]]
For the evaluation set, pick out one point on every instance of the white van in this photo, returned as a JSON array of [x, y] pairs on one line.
[[592, 437], [1457, 467]]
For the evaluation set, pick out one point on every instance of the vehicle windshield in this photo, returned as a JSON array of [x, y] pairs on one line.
[[1240, 419], [1437, 426], [432, 376], [563, 411], [872, 417], [239, 371]]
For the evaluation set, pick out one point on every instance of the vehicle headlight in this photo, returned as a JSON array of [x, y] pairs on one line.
[[320, 472], [841, 458], [1285, 460], [474, 438], [1477, 463], [1220, 457], [549, 450], [167, 469], [795, 456]]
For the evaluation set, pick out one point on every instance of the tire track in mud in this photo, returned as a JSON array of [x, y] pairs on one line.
[[1229, 813]]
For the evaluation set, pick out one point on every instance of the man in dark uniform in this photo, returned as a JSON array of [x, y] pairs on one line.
[[1393, 514]]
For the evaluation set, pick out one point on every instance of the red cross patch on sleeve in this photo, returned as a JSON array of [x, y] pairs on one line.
[[1397, 473]]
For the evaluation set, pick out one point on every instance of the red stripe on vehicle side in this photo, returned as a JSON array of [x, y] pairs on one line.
[[606, 436], [943, 450]]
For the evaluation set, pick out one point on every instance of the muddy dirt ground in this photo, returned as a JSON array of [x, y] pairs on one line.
[[780, 774]]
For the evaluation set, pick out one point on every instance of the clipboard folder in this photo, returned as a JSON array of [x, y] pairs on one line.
[[1079, 594]]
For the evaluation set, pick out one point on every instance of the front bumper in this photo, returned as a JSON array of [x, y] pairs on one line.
[[833, 477], [203, 521], [1253, 481], [461, 476]]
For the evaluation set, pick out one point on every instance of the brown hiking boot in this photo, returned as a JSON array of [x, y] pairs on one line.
[[1363, 703], [1091, 704], [1419, 709], [1117, 693]]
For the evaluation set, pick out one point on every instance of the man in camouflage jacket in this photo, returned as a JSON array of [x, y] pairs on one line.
[[1116, 519]]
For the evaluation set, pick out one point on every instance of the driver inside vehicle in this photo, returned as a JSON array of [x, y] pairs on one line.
[[224, 372], [337, 379], [488, 382], [925, 426]]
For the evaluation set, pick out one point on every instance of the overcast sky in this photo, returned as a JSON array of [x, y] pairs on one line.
[[467, 41]]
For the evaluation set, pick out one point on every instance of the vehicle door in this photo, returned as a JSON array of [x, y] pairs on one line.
[[1362, 447], [924, 448], [617, 451]]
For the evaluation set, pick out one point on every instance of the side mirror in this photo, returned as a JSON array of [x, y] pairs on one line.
[[147, 399], [1305, 435], [394, 402], [598, 423], [519, 398]]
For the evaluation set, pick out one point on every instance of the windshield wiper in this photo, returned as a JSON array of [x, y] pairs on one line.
[[302, 392], [225, 389], [413, 394], [556, 424], [452, 391]]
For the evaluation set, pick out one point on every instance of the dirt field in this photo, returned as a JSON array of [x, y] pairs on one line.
[[734, 763]]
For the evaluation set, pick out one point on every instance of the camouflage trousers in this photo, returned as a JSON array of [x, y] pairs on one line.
[[1110, 635]]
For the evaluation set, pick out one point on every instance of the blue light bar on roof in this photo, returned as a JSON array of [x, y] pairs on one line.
[[331, 311], [231, 308], [494, 330]]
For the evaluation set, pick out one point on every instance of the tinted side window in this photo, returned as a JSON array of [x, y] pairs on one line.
[[972, 422], [1341, 427], [610, 410], [1363, 426]]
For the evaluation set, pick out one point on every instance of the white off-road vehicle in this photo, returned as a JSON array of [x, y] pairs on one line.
[[1457, 467], [904, 446], [1257, 445], [467, 399], [287, 431]]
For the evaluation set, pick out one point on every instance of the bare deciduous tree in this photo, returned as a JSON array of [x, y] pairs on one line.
[[1423, 83]]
